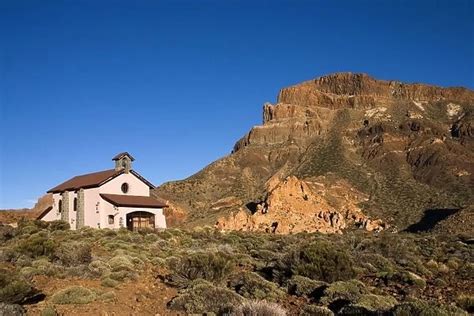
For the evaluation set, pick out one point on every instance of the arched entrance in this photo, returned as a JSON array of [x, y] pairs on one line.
[[140, 220]]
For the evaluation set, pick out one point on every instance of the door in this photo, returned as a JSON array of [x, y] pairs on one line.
[[140, 220]]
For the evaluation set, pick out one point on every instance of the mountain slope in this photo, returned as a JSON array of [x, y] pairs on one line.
[[365, 152]]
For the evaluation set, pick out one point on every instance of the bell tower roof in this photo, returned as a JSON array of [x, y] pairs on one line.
[[121, 155]]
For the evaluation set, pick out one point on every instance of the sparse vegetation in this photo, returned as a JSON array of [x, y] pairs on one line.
[[212, 272], [74, 295]]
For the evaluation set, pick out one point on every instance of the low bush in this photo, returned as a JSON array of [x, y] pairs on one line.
[[108, 297], [466, 302], [74, 295], [37, 245], [302, 286], [99, 267], [422, 308], [58, 225], [73, 253], [320, 260], [252, 286], [348, 291], [376, 303], [40, 266], [14, 289], [7, 232], [258, 308], [204, 297], [210, 266], [121, 262], [123, 275], [109, 282], [314, 310]]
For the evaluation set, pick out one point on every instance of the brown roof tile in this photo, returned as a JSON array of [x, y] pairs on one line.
[[89, 180], [133, 200]]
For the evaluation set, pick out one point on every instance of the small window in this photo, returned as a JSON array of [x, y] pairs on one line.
[[125, 187], [60, 206], [75, 204], [111, 219]]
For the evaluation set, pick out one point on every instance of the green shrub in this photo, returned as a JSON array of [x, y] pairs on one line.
[[320, 260], [377, 264], [414, 279], [37, 245], [121, 262], [109, 282], [210, 266], [40, 266], [73, 253], [422, 308], [258, 308], [252, 286], [203, 297], [6, 233], [74, 295], [123, 275], [466, 302], [376, 303], [13, 288], [302, 286], [99, 267], [58, 225], [108, 297], [350, 291], [314, 310]]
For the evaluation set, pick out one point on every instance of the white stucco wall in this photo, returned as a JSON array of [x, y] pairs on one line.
[[135, 185], [92, 216]]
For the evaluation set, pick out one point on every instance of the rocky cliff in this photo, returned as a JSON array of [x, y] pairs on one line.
[[341, 151]]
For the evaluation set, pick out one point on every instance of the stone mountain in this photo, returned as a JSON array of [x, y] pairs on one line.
[[337, 152]]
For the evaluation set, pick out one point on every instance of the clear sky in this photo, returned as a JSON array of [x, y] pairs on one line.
[[176, 83]]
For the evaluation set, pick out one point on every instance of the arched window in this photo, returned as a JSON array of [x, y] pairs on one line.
[[75, 205], [125, 187], [60, 206]]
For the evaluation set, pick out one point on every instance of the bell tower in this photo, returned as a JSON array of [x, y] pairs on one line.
[[123, 161]]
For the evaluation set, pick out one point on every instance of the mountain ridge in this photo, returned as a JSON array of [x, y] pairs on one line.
[[342, 127]]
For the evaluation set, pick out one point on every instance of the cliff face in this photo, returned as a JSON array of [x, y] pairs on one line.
[[402, 147]]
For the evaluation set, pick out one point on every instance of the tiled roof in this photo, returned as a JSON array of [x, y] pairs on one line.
[[89, 180], [133, 201]]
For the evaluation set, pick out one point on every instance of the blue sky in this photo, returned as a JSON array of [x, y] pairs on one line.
[[176, 83]]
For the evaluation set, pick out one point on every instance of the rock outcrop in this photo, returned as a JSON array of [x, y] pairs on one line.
[[293, 206], [403, 147]]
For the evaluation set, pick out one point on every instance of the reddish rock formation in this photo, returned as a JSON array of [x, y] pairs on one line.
[[293, 206]]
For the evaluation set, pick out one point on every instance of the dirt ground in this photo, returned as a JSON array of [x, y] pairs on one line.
[[144, 296]]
